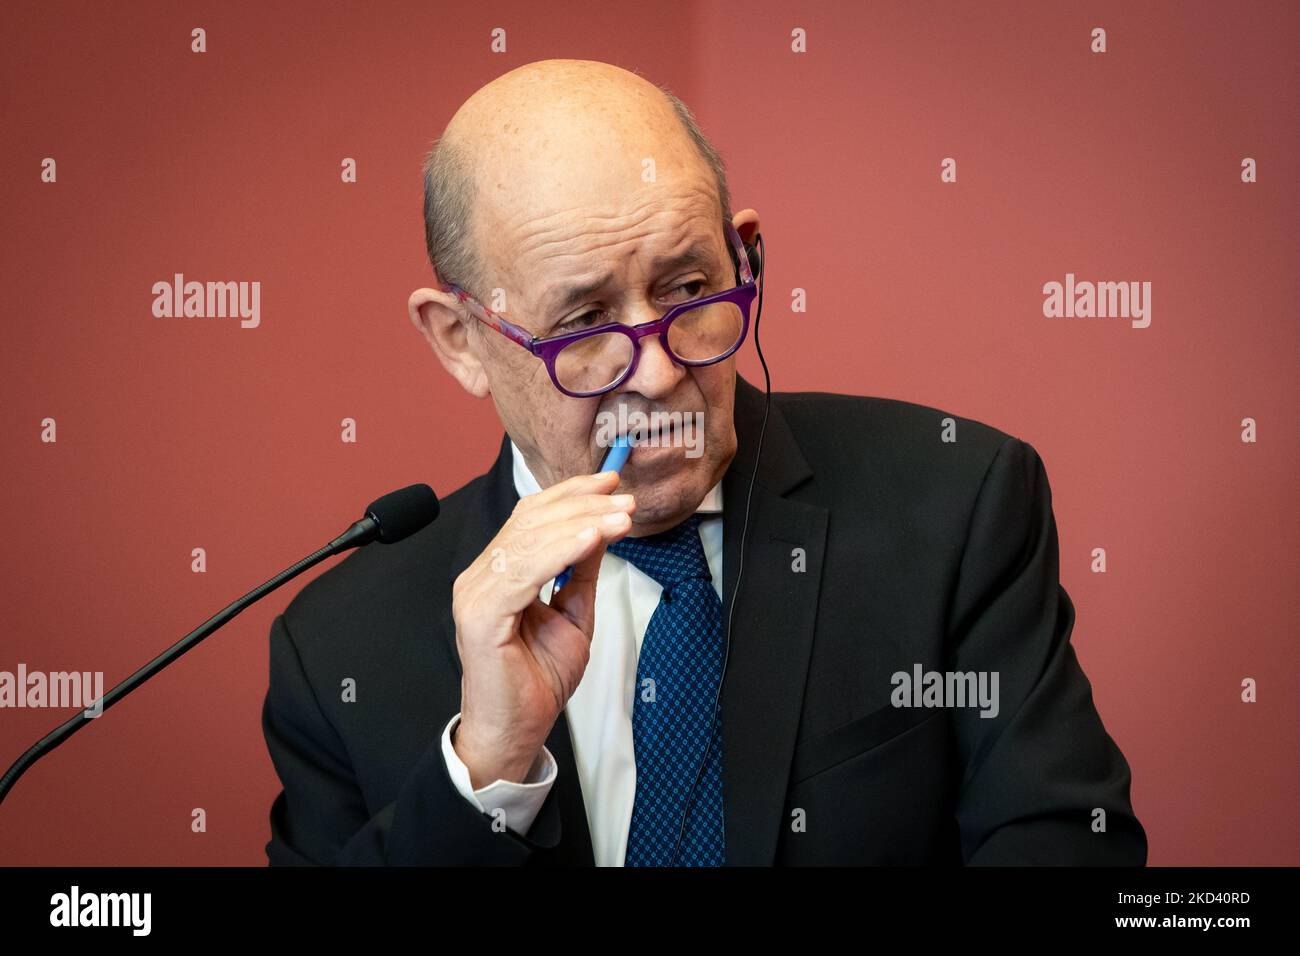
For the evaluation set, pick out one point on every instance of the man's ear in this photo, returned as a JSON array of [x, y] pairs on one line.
[[440, 318], [746, 223]]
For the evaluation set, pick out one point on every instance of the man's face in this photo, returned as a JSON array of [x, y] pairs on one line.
[[540, 256]]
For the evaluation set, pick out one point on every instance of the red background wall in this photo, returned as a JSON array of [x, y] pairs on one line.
[[183, 433]]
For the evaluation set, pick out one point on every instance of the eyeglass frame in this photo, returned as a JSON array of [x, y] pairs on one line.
[[547, 348]]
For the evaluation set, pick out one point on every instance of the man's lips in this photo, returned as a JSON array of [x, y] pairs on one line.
[[651, 435]]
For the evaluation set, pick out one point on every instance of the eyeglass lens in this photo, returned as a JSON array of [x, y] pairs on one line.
[[697, 335]]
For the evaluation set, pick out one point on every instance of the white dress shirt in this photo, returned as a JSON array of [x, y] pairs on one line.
[[600, 711]]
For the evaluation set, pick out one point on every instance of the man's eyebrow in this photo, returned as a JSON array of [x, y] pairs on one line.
[[566, 297]]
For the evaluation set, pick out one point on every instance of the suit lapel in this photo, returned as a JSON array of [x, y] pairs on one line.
[[770, 635]]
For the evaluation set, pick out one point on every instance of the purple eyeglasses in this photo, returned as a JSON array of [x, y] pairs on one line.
[[592, 361]]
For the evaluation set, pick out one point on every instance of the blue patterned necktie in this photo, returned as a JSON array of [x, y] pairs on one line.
[[681, 653]]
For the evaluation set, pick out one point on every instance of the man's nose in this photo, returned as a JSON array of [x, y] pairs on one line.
[[656, 374]]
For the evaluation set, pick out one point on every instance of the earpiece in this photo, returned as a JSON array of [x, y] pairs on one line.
[[755, 259]]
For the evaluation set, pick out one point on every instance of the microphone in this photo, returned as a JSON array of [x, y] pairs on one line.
[[395, 516]]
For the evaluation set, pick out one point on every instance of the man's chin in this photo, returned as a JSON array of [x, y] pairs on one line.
[[667, 491]]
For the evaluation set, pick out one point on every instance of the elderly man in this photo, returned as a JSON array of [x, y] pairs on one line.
[[540, 673]]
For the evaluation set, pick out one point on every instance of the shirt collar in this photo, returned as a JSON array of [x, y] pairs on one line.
[[526, 484]]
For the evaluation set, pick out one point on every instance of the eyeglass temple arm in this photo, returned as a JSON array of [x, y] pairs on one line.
[[742, 256], [489, 318]]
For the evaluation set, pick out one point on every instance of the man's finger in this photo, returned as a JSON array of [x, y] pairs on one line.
[[600, 483], [517, 569], [565, 509]]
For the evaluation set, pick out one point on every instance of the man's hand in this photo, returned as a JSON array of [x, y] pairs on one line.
[[521, 659]]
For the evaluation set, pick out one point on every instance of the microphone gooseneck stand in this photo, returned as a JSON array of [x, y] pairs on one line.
[[389, 519]]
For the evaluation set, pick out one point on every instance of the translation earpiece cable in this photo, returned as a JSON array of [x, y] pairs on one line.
[[744, 534]]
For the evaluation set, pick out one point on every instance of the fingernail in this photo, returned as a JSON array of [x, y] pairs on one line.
[[615, 519], [622, 501]]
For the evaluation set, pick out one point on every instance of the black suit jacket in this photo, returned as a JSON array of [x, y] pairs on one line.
[[917, 551]]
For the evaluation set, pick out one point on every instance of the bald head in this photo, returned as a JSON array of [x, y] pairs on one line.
[[546, 137]]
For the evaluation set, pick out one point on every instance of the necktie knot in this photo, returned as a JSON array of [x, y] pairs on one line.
[[669, 557]]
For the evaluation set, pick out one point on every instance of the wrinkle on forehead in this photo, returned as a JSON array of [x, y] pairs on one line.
[[579, 232], [594, 249], [594, 181]]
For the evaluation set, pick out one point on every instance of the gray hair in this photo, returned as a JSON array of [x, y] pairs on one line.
[[450, 191]]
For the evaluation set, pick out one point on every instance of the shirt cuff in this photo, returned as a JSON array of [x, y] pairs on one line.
[[519, 802]]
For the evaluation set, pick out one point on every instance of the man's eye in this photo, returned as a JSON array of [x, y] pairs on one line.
[[600, 317], [583, 321]]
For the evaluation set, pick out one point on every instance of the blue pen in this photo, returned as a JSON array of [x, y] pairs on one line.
[[615, 459]]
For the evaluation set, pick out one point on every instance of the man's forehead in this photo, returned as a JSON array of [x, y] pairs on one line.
[[568, 287], [653, 221]]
